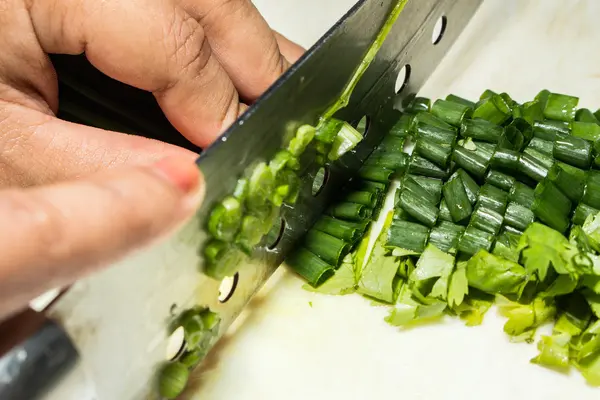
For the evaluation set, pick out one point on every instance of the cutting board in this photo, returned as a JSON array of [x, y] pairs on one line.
[[292, 344]]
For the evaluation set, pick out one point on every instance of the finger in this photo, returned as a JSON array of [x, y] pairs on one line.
[[242, 41], [149, 44], [56, 234], [290, 50], [37, 148]]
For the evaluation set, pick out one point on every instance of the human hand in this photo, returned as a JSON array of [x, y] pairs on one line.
[[202, 59]]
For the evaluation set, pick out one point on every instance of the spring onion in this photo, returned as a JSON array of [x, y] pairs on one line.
[[456, 99], [309, 266], [438, 154], [225, 219], [329, 248], [570, 180], [402, 127], [221, 259], [391, 144], [435, 134], [393, 161], [456, 199], [586, 130], [582, 212], [485, 150], [421, 166], [375, 173], [471, 187], [505, 160], [500, 180], [173, 379], [376, 188], [412, 185], [541, 145], [545, 159], [432, 185], [451, 112], [561, 107], [550, 130], [420, 210], [345, 230], [445, 236], [418, 104], [532, 167], [407, 235], [551, 206], [591, 194], [250, 234], [424, 118], [346, 139], [521, 194], [486, 220], [480, 129], [493, 198], [350, 211], [493, 109], [470, 161], [518, 216], [573, 151], [474, 240]]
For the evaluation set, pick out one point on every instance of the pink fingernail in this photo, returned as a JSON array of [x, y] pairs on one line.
[[182, 173]]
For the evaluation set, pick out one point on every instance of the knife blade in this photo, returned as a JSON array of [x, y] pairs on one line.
[[119, 319]]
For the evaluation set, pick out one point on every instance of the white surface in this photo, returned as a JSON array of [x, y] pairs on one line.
[[340, 347]]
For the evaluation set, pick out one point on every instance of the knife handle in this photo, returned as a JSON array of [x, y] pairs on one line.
[[35, 352]]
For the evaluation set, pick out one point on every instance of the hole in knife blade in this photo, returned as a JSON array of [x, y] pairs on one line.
[[439, 29], [320, 180], [175, 344], [227, 287], [275, 234], [403, 78]]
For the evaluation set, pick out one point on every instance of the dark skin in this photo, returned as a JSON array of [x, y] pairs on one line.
[[75, 198]]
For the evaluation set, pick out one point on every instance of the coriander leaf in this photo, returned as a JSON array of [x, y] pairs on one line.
[[542, 247], [341, 283], [434, 263], [473, 308], [495, 275], [554, 351], [407, 310], [378, 274], [459, 285], [563, 284], [525, 318]]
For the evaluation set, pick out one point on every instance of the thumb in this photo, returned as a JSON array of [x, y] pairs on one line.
[[53, 235]]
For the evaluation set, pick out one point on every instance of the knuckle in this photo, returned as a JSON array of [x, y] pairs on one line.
[[188, 44]]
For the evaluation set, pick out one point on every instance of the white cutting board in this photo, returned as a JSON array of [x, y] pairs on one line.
[[292, 344]]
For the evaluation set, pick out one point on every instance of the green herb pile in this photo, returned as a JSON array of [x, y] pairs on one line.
[[498, 201]]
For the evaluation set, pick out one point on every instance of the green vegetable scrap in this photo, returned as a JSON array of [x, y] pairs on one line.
[[510, 214]]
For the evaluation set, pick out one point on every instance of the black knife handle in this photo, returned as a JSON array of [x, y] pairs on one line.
[[32, 365]]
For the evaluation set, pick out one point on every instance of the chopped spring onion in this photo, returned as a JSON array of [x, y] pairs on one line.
[[485, 150], [391, 144], [389, 160], [424, 167], [492, 198], [546, 160], [550, 130], [377, 174], [480, 129], [471, 187], [309, 266], [591, 194], [460, 100], [345, 230], [500, 180], [486, 220], [432, 185], [304, 135], [346, 140], [351, 211], [451, 112], [444, 212], [445, 236], [493, 109], [225, 219], [532, 111], [407, 235], [541, 145], [435, 134], [586, 130], [573, 151], [250, 234], [487, 93], [370, 186], [420, 210], [173, 379], [470, 161], [402, 127], [425, 118], [368, 199], [329, 248], [505, 160], [585, 115], [412, 185], [474, 240], [551, 206], [222, 259], [456, 199], [438, 154], [582, 212], [532, 167], [570, 180], [561, 107], [418, 104], [328, 130], [518, 216], [521, 194]]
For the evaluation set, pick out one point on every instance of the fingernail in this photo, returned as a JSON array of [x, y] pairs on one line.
[[181, 173]]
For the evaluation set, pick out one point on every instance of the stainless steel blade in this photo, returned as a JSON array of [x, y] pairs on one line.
[[118, 319]]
